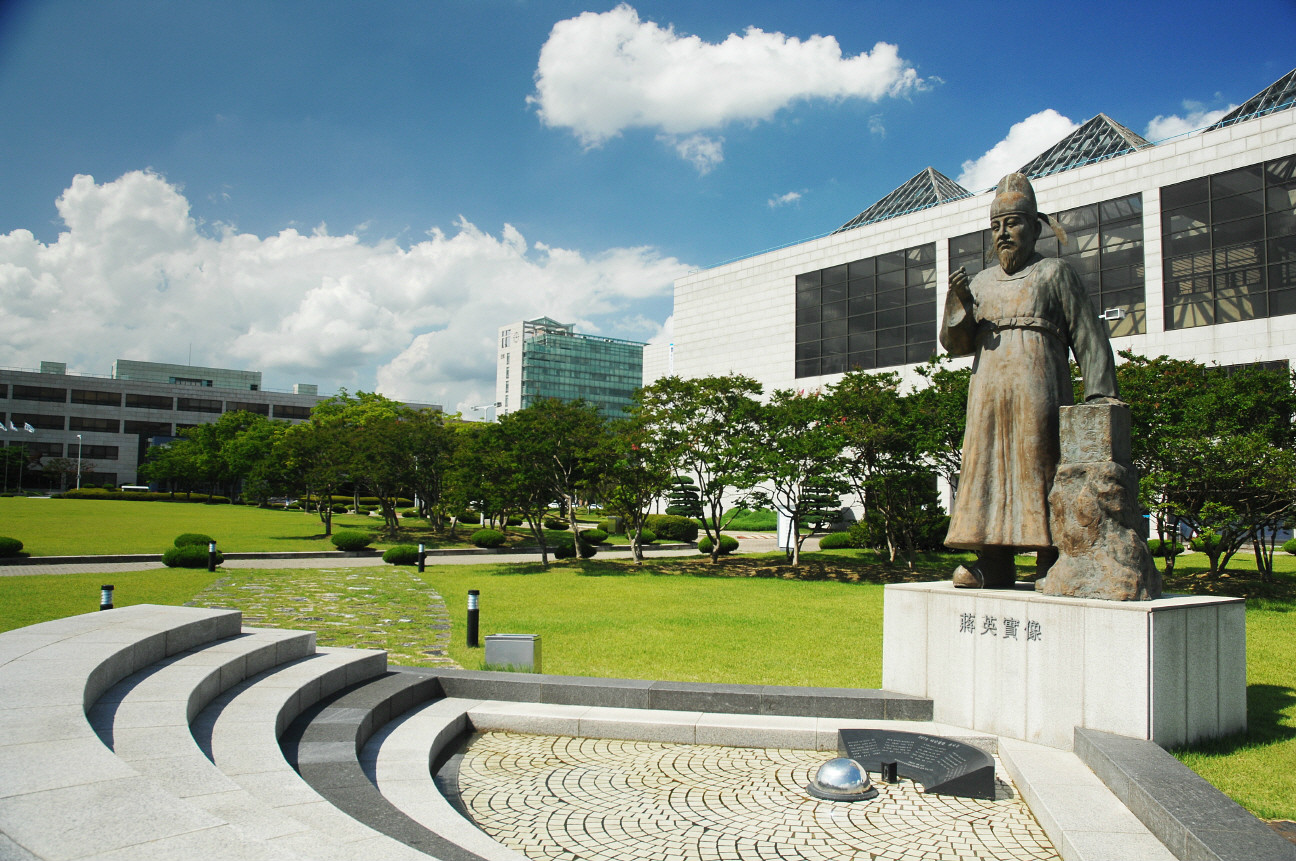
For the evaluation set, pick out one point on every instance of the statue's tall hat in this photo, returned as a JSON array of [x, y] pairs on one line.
[[1014, 194]]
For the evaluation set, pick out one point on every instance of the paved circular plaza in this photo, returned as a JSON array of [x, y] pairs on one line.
[[553, 797]]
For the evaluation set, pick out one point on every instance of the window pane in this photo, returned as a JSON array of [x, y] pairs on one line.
[[1282, 302], [1237, 308], [809, 350], [864, 360], [1282, 248], [861, 268], [890, 299], [807, 368], [862, 341], [1122, 255], [1122, 207], [920, 333], [1282, 277], [1232, 232], [890, 280], [833, 365], [1236, 181], [808, 333], [834, 346], [834, 274], [1236, 256], [1190, 314], [807, 298], [1188, 242], [1184, 192], [890, 318], [834, 292], [1239, 206], [890, 262], [860, 304], [1078, 218], [890, 338], [862, 286], [834, 328], [920, 352], [1281, 169], [923, 313], [890, 356], [808, 281], [835, 311], [861, 324], [809, 315]]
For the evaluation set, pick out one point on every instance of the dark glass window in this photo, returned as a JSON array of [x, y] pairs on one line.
[[95, 452], [39, 393], [283, 411], [85, 423], [1229, 241], [40, 421], [147, 429], [150, 402], [872, 313], [100, 399], [198, 405], [1105, 248], [43, 449], [248, 406]]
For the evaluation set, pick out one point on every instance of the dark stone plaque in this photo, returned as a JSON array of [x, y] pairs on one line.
[[942, 765]]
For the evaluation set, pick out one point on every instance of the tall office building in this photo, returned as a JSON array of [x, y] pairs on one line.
[[543, 358]]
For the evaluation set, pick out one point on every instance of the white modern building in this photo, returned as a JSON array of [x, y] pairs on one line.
[[1188, 248]]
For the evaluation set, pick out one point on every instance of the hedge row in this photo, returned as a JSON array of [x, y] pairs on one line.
[[138, 496]]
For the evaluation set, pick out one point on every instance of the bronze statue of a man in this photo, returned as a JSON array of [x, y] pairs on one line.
[[1020, 319]]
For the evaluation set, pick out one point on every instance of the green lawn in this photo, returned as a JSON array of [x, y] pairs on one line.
[[59, 527], [748, 621]]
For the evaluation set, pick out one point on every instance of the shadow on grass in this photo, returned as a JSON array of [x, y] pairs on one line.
[[1266, 708]]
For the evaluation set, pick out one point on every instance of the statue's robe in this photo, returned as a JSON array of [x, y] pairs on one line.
[[1020, 328]]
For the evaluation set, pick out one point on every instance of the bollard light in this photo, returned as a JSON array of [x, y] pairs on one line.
[[473, 611], [105, 597], [211, 556], [889, 772], [422, 551]]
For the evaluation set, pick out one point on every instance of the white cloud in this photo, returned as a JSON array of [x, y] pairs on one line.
[[1025, 140], [783, 199], [1195, 117], [602, 73], [133, 277], [699, 150]]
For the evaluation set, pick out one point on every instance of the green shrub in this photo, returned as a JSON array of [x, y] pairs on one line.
[[728, 544], [593, 536], [402, 554], [1289, 546], [340, 509], [563, 549], [672, 527], [835, 541], [487, 538], [351, 540], [515, 521], [1206, 541], [409, 512], [193, 539], [188, 556], [1161, 549], [647, 536], [10, 546], [555, 523]]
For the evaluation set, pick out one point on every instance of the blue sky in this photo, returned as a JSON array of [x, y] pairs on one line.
[[359, 194]]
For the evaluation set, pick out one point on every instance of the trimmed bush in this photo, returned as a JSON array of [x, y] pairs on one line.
[[10, 546], [340, 509], [593, 536], [193, 539], [1207, 540], [487, 538], [835, 541], [728, 544], [401, 554], [188, 556], [555, 523], [1289, 546], [351, 540], [409, 512], [647, 536], [672, 527], [563, 549], [515, 521], [1161, 549]]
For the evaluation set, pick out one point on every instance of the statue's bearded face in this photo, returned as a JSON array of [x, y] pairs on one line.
[[1014, 238]]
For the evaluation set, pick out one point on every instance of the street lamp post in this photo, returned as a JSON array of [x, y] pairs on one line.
[[78, 461]]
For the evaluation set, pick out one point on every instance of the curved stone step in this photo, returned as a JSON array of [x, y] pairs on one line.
[[240, 732]]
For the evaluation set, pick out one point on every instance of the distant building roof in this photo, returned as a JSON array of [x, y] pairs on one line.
[[1100, 138], [1278, 96], [928, 188]]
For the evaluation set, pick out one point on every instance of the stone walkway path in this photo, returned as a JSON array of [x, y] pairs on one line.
[[388, 608], [564, 798]]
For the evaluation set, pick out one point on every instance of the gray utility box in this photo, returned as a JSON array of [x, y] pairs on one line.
[[519, 652]]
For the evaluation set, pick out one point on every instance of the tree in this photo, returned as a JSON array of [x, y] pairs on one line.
[[885, 465], [433, 445], [556, 450], [65, 469], [317, 454], [636, 477], [705, 428], [797, 456], [682, 498], [1213, 448]]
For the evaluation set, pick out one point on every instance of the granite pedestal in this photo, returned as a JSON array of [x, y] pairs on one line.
[[1033, 667]]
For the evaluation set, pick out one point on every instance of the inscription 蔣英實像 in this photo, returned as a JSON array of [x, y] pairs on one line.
[[1002, 628], [942, 765]]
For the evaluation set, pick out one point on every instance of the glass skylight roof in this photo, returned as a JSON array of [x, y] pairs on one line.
[[928, 188], [1100, 138], [1279, 95]]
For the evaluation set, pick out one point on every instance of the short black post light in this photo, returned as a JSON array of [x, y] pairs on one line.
[[211, 556], [473, 611], [105, 597], [422, 557], [889, 772]]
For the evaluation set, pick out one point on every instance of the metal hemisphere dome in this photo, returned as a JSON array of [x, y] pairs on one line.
[[841, 779]]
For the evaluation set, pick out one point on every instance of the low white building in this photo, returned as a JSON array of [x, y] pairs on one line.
[[1188, 248]]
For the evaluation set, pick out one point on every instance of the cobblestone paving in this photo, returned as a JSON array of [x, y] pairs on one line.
[[603, 800], [366, 608]]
